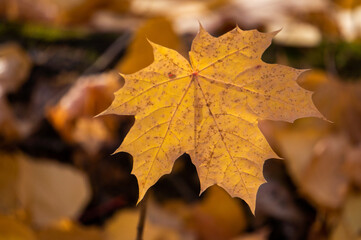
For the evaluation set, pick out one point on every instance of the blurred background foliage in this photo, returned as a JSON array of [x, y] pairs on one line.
[[58, 69]]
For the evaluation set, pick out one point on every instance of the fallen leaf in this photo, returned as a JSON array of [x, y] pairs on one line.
[[73, 118], [324, 181], [139, 53], [219, 216], [51, 191], [48, 191], [15, 67], [69, 231], [353, 165], [10, 228], [349, 226], [123, 226], [209, 109], [325, 19], [315, 158], [313, 79], [340, 102], [324, 158], [9, 173], [352, 214], [51, 11], [259, 235], [348, 3]]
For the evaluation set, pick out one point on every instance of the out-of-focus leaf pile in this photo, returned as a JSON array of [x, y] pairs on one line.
[[58, 69]]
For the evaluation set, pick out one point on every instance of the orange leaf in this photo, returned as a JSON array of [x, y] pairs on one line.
[[209, 108]]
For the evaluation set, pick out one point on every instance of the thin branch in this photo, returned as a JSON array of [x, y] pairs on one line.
[[141, 223], [109, 55]]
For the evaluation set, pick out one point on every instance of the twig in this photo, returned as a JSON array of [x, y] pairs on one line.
[[108, 56], [141, 223]]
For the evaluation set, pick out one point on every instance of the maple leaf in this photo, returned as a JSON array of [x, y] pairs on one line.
[[209, 108]]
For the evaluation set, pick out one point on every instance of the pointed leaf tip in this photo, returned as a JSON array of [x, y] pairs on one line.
[[274, 33], [101, 114], [200, 25]]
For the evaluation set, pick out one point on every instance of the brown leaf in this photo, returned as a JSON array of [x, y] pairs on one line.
[[15, 66], [313, 79], [9, 174], [47, 190], [67, 230], [353, 165], [51, 191], [259, 235], [315, 159], [324, 158], [10, 228], [51, 11], [123, 226], [73, 116], [341, 103], [324, 181], [218, 216], [349, 226]]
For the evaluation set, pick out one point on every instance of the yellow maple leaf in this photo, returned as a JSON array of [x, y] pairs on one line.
[[209, 108]]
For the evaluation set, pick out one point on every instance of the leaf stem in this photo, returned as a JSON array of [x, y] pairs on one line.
[[141, 223]]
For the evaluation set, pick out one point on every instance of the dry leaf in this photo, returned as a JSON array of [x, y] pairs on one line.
[[352, 214], [15, 66], [47, 190], [348, 3], [323, 158], [353, 165], [259, 235], [349, 226], [12, 229], [313, 79], [50, 11], [123, 226], [314, 158], [325, 19], [324, 179], [209, 109], [341, 103], [9, 173], [67, 230], [73, 118], [51, 191], [139, 53], [219, 216]]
